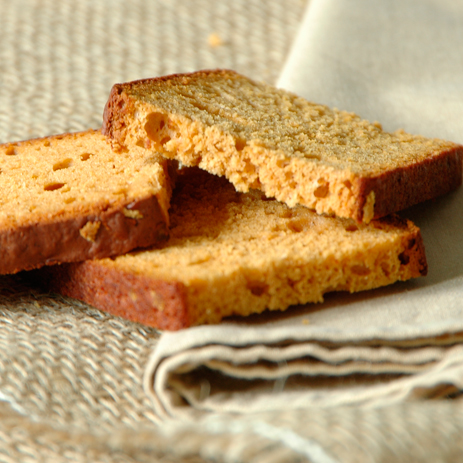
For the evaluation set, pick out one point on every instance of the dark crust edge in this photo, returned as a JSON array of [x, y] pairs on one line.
[[414, 255], [404, 187], [138, 298], [113, 125], [47, 243]]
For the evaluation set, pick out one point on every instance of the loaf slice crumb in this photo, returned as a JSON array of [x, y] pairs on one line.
[[70, 197], [231, 253], [261, 137]]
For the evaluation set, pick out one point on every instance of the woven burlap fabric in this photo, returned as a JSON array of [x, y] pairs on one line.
[[70, 363], [411, 433]]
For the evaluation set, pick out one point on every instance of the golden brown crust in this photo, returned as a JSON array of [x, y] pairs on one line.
[[404, 187], [413, 254], [156, 303], [47, 243], [116, 104]]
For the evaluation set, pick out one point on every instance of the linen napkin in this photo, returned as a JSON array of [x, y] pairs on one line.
[[400, 63]]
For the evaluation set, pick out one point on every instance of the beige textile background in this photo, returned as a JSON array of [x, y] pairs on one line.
[[70, 376]]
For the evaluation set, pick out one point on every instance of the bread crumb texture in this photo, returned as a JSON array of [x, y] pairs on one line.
[[66, 175], [299, 152], [231, 253], [71, 197]]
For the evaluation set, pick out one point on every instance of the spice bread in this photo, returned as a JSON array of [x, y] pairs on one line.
[[261, 137], [233, 253], [71, 197]]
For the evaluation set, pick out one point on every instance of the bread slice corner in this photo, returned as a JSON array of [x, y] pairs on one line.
[[70, 197]]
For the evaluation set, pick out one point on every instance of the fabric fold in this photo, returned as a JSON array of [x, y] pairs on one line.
[[211, 376], [400, 63]]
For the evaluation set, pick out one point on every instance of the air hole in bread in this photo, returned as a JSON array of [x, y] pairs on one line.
[[85, 156], [156, 128], [312, 156], [296, 226], [64, 164], [257, 288], [10, 151], [348, 184], [292, 283], [285, 214], [322, 191], [351, 227], [53, 186], [360, 270], [240, 144], [282, 163], [69, 200], [404, 258], [385, 269]]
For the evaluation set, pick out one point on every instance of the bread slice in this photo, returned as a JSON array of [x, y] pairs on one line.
[[232, 253], [269, 139], [70, 198]]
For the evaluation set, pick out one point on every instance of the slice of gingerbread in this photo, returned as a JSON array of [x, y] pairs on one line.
[[71, 197], [299, 152], [231, 253]]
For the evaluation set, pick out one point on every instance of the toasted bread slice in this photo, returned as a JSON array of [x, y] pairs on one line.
[[265, 138], [232, 253], [71, 197]]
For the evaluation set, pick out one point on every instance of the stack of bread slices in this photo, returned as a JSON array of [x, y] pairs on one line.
[[207, 194]]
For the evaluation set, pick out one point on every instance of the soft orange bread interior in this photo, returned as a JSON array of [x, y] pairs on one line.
[[231, 253], [70, 197]]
